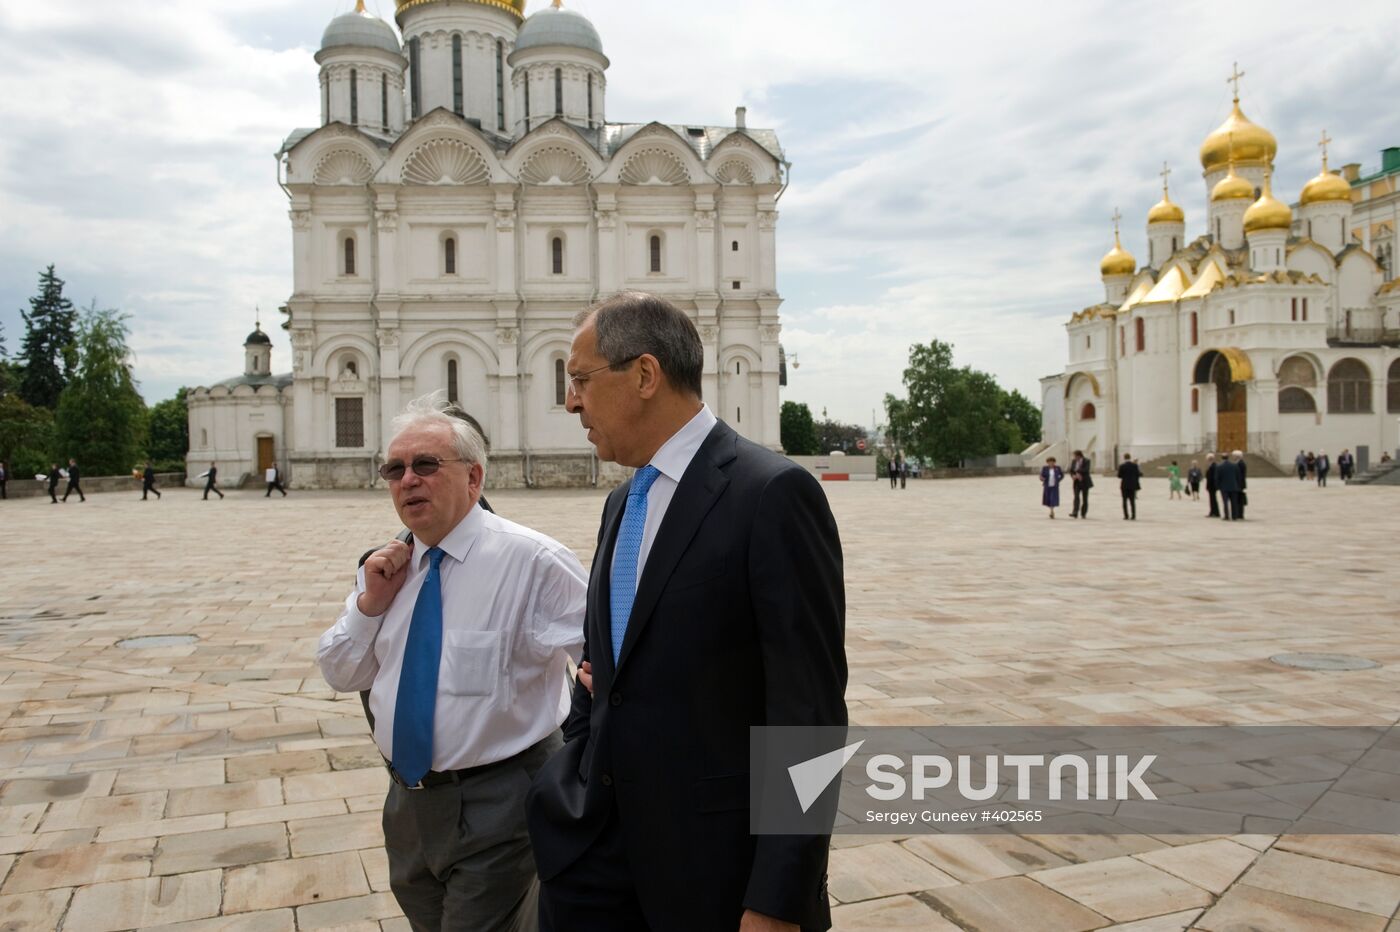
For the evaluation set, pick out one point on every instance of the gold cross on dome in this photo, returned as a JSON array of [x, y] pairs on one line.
[[1164, 173], [1116, 217], [1234, 79], [1322, 144]]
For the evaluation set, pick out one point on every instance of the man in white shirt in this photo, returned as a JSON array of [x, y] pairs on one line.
[[464, 639]]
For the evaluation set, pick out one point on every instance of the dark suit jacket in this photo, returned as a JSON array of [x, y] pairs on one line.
[[1129, 476], [148, 475], [1229, 477], [739, 620], [73, 475], [1212, 477], [1082, 474]]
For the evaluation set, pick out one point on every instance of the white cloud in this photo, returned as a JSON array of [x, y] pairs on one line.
[[954, 165]]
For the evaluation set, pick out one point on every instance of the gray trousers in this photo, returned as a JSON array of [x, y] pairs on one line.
[[459, 854]]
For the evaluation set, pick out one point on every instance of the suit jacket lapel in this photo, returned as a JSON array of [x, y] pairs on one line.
[[697, 492], [601, 594]]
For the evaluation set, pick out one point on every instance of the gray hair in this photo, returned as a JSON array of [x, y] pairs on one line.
[[434, 408], [632, 323]]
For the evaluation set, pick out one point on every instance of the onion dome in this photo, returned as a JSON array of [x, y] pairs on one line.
[[555, 25], [1117, 261], [1251, 143], [360, 29], [1326, 186], [1267, 213], [514, 7], [1232, 188], [1165, 211], [257, 336]]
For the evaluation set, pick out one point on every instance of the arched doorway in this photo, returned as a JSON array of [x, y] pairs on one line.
[[1227, 370]]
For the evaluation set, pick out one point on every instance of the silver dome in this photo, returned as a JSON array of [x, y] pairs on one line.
[[557, 26], [360, 30]]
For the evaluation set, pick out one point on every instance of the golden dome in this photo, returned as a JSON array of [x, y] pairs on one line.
[[515, 7], [1164, 211], [1326, 186], [1117, 261], [1267, 213], [1232, 188], [1252, 143]]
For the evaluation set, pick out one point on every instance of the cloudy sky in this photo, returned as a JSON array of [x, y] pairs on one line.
[[954, 165]]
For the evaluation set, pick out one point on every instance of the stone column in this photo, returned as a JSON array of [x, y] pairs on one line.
[[767, 247], [605, 216], [768, 433], [506, 283], [304, 442], [390, 401], [507, 439], [302, 265], [711, 384], [386, 216], [706, 276]]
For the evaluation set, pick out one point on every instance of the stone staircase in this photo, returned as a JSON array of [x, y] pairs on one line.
[[1257, 467], [1379, 474]]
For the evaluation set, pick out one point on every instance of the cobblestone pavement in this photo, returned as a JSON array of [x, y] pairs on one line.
[[222, 785]]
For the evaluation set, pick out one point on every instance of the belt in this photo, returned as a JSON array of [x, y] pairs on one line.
[[443, 777]]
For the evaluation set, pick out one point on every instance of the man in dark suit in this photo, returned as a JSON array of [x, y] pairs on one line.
[[73, 478], [1227, 477], [1129, 482], [1212, 484], [1082, 475], [715, 603], [148, 481]]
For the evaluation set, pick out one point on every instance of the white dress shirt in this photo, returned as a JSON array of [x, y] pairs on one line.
[[671, 460], [512, 614]]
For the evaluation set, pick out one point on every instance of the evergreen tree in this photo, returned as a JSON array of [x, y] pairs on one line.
[[170, 433], [101, 418], [796, 430], [47, 353]]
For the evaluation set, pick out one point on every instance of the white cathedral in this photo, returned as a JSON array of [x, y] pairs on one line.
[[462, 199], [1276, 330]]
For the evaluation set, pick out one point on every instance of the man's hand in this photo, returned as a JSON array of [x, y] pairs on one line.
[[585, 676], [757, 922], [385, 571]]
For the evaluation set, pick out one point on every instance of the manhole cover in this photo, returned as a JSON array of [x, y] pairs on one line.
[[158, 640], [1324, 662]]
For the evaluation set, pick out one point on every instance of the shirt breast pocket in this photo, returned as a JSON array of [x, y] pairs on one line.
[[471, 663]]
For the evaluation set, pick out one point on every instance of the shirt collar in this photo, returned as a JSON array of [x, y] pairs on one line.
[[677, 452], [458, 542]]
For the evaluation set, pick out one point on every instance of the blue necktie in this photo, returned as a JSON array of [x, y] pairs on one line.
[[623, 588], [418, 678]]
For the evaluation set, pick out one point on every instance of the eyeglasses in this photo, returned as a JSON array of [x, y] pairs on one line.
[[576, 382], [422, 466]]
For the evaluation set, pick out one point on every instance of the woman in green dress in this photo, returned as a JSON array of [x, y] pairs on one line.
[[1174, 473]]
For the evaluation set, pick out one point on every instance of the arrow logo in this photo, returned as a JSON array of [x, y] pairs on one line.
[[811, 777]]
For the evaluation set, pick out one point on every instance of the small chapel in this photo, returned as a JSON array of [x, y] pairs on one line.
[[462, 197], [1274, 329]]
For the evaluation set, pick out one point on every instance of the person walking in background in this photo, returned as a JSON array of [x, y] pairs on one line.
[[1212, 485], [1311, 463], [1228, 478], [903, 473], [212, 482], [1129, 482], [4, 478], [1050, 478], [1324, 466], [274, 480], [1300, 463], [1174, 474], [148, 481], [73, 477], [1193, 481], [1347, 464], [1082, 478], [1243, 471], [53, 477], [894, 472]]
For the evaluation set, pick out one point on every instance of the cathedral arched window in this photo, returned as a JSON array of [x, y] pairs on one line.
[[457, 74], [204, 438], [1297, 371], [590, 100], [1140, 334], [347, 254], [1195, 401], [1392, 388], [451, 380], [384, 101], [1349, 388], [1088, 412], [500, 85], [526, 83], [1296, 401], [558, 91], [449, 256], [556, 255], [561, 382], [354, 97], [654, 250], [1195, 329], [734, 246], [415, 76]]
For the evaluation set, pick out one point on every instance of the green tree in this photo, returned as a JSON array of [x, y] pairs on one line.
[[796, 430], [101, 419], [26, 437], [47, 354], [1023, 413], [170, 433], [834, 435]]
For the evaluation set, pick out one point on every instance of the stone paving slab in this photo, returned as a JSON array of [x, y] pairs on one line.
[[221, 785]]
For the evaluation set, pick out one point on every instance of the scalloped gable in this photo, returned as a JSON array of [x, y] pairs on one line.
[[444, 125]]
